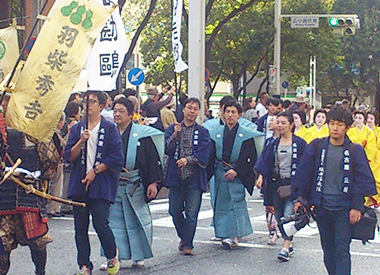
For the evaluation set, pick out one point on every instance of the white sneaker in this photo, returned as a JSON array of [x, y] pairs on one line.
[[272, 238], [138, 264], [228, 244], [216, 239], [103, 267]]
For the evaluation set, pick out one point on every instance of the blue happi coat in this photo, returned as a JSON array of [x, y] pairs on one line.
[[108, 151], [266, 162], [265, 165], [201, 145], [130, 217], [231, 218], [358, 180]]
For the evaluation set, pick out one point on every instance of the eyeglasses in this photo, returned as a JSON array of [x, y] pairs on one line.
[[120, 111], [91, 101]]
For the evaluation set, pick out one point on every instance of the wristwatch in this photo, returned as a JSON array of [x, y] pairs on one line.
[[96, 171]]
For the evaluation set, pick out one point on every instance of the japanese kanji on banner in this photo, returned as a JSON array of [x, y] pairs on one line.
[[8, 50], [179, 64], [53, 66], [106, 58]]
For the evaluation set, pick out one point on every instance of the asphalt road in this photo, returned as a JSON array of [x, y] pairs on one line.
[[253, 256]]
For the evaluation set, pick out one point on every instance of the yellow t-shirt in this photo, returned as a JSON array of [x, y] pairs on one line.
[[321, 133], [304, 133]]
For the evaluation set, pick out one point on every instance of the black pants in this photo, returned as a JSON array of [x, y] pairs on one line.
[[99, 210]]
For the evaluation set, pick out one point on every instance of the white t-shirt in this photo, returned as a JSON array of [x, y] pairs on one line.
[[107, 114], [261, 110], [91, 147], [268, 133]]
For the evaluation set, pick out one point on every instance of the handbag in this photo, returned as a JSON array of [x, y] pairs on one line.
[[364, 230], [284, 191]]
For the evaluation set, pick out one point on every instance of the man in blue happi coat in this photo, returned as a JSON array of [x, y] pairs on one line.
[[188, 148], [233, 159], [130, 218], [94, 151], [334, 177]]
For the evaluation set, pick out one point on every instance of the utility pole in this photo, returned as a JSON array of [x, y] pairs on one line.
[[196, 75], [277, 47]]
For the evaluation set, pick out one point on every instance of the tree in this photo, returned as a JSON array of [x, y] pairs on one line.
[[135, 23], [239, 40], [357, 72], [156, 43]]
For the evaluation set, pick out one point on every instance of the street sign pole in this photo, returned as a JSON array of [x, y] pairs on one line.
[[136, 76], [314, 80]]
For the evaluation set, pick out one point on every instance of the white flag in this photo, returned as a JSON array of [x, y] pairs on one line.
[[179, 65], [107, 56], [8, 50]]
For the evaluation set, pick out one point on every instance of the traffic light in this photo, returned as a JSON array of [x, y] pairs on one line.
[[347, 24], [271, 74], [333, 21]]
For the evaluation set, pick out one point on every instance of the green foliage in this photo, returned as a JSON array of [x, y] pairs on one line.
[[156, 45], [359, 67], [299, 44], [239, 39]]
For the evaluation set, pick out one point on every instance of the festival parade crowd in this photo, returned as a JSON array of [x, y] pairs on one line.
[[109, 158]]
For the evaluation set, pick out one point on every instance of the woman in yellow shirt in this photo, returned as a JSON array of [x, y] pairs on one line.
[[300, 128], [363, 135], [373, 122], [319, 129]]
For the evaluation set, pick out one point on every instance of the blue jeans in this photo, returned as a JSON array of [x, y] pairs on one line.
[[282, 208], [335, 232], [185, 197], [99, 210]]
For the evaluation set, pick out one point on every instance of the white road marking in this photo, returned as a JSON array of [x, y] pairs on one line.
[[263, 246]]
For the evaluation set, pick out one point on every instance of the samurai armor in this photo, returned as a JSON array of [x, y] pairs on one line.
[[22, 147], [15, 199], [33, 226]]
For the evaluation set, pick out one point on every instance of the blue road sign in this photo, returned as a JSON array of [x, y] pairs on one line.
[[136, 76], [285, 84]]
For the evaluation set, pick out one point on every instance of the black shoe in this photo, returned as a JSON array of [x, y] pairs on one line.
[[67, 212], [56, 215]]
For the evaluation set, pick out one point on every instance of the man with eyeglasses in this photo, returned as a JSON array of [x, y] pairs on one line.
[[130, 217], [94, 151], [188, 147]]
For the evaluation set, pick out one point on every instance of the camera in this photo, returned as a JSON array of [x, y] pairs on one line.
[[275, 177], [293, 223]]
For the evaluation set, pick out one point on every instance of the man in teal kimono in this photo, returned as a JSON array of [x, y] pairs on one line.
[[130, 217], [233, 158]]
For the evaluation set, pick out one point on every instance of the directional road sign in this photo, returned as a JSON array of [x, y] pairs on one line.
[[305, 22], [285, 84], [136, 76]]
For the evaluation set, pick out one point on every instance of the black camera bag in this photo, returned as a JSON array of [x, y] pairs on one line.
[[364, 230]]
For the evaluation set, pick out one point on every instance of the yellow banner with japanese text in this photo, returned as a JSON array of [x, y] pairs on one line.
[[53, 66]]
